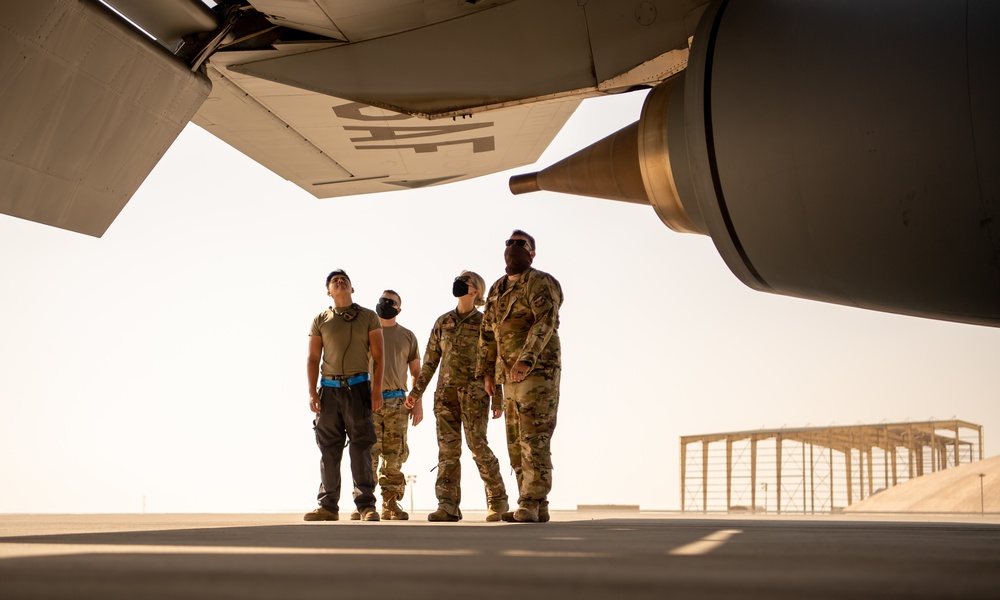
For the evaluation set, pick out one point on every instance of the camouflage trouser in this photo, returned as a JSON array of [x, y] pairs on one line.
[[458, 409], [530, 415], [391, 422]]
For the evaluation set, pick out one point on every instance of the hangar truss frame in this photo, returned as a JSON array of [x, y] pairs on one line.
[[817, 469]]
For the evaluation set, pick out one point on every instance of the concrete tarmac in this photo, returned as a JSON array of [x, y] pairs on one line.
[[576, 556]]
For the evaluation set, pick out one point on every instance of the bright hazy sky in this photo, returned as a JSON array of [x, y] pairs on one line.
[[163, 366]]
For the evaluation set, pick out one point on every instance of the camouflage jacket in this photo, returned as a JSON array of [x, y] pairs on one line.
[[520, 323], [452, 344]]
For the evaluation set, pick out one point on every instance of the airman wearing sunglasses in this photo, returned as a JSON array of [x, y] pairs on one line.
[[519, 350], [402, 356], [460, 403]]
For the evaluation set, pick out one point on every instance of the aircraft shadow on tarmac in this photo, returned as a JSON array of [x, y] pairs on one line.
[[612, 558]]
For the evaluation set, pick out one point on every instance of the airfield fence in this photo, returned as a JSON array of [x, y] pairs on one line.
[[816, 469]]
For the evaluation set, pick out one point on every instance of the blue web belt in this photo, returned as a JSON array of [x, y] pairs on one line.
[[393, 394], [337, 383]]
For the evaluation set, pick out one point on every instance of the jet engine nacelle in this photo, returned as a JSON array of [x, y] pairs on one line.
[[843, 151]]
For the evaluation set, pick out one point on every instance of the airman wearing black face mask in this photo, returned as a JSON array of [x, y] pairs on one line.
[[519, 349], [518, 256], [402, 356], [461, 404], [386, 308], [460, 287]]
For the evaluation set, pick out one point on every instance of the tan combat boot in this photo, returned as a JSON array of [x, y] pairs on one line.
[[543, 513], [321, 514], [392, 512], [443, 516], [496, 510], [527, 512]]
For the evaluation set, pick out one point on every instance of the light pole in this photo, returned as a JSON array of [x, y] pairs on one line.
[[982, 504], [410, 480]]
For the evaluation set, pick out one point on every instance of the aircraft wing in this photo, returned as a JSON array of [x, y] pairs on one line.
[[841, 151], [341, 97], [330, 146], [87, 108]]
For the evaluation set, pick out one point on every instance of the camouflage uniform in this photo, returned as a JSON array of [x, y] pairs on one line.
[[392, 420], [391, 423], [520, 323], [460, 404]]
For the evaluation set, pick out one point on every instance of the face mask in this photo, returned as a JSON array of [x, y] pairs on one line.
[[518, 259], [459, 289], [385, 309]]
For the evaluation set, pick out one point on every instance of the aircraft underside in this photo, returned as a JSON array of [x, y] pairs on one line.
[[845, 151]]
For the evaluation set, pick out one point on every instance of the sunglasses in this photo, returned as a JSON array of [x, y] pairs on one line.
[[465, 279], [521, 243], [388, 301]]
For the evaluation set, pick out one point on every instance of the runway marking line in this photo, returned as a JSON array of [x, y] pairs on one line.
[[537, 554], [703, 546], [29, 550], [34, 550], [706, 544]]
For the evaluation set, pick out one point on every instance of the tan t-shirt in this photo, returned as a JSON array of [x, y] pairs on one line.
[[345, 339], [400, 349]]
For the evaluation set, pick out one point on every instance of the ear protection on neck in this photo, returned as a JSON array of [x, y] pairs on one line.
[[348, 314]]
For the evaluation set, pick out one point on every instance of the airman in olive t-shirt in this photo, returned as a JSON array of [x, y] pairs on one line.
[[402, 358], [342, 340]]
